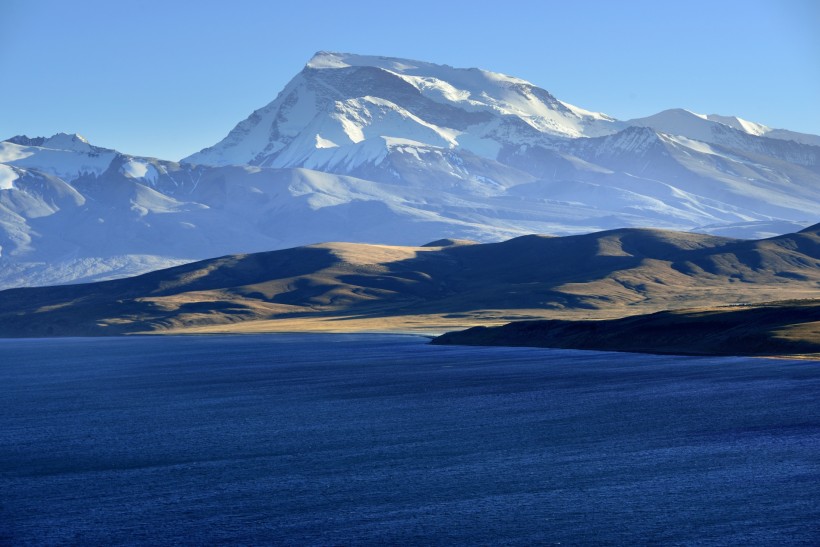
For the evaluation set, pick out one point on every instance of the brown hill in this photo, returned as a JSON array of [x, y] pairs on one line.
[[344, 286]]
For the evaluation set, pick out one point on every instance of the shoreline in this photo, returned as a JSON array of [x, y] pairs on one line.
[[786, 330], [804, 357]]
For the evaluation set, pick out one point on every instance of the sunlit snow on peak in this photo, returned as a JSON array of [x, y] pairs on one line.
[[139, 170], [7, 176], [66, 141], [341, 100], [324, 59], [738, 123]]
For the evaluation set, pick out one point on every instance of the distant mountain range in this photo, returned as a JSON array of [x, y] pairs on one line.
[[394, 151], [444, 285]]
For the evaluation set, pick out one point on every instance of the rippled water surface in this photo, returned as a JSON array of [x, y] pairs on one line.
[[350, 439]]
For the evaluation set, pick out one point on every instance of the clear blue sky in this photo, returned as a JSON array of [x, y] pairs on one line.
[[166, 78]]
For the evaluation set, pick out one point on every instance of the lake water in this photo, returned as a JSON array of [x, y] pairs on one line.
[[365, 439]]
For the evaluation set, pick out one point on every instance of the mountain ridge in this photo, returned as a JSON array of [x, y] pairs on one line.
[[524, 104], [385, 150]]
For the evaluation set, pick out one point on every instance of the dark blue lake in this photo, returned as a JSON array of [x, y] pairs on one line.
[[359, 439]]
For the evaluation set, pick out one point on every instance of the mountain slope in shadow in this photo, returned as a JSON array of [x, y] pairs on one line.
[[774, 329], [593, 276]]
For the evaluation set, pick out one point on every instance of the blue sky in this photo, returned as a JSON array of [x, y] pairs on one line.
[[167, 78]]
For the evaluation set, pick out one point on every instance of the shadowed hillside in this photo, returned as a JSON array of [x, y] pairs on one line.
[[444, 285], [787, 328]]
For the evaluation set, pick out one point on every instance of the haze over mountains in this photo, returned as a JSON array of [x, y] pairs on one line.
[[393, 151]]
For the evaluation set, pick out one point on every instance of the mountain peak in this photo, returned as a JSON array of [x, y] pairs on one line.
[[67, 141], [58, 141], [746, 126], [718, 129], [670, 119], [814, 229], [333, 60], [342, 100], [411, 67], [327, 59]]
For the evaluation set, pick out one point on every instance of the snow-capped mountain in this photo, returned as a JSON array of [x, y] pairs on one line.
[[345, 109], [390, 119], [385, 150], [108, 214]]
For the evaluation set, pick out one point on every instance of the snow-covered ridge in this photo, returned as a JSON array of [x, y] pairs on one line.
[[746, 126], [67, 156], [717, 129], [470, 76], [71, 157], [342, 99], [59, 141]]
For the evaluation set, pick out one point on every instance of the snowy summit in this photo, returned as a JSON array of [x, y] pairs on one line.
[[343, 100]]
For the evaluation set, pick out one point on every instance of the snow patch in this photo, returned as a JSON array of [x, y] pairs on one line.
[[346, 158], [140, 170], [10, 152], [438, 90], [7, 177], [697, 146], [325, 143], [135, 169], [392, 142]]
